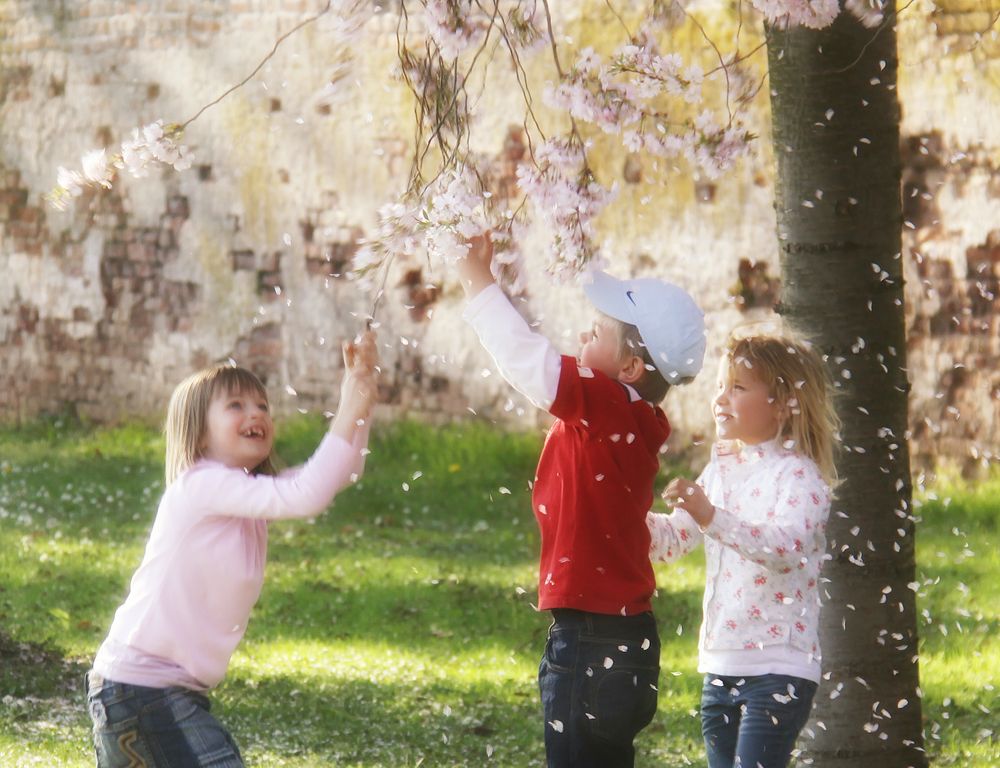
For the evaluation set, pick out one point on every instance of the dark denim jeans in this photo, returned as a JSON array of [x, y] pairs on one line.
[[753, 721], [140, 727], [598, 682]]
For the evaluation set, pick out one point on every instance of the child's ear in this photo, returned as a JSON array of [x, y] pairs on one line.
[[632, 369]]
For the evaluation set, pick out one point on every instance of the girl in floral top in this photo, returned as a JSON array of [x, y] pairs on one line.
[[760, 507]]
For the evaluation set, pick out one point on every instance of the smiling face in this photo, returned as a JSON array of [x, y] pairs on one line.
[[744, 408], [238, 429]]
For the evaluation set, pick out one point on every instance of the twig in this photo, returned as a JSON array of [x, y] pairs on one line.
[[263, 61], [886, 22], [519, 73], [722, 61], [380, 292], [620, 19], [552, 38]]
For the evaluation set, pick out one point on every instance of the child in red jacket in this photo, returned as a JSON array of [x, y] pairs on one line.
[[592, 490]]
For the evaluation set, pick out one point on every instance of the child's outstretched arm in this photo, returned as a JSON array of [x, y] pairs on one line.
[[675, 535], [359, 389], [671, 536], [526, 359], [306, 490]]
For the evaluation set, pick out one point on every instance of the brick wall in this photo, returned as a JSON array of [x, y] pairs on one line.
[[105, 307]]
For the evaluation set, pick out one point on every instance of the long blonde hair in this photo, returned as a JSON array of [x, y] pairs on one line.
[[800, 383], [187, 414]]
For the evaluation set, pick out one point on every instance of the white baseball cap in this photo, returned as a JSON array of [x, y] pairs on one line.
[[671, 325]]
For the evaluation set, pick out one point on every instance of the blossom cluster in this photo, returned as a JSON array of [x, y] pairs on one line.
[[709, 147], [525, 26], [150, 145], [456, 26], [456, 211], [818, 14], [622, 97], [589, 93], [396, 235], [568, 198], [451, 211], [508, 259]]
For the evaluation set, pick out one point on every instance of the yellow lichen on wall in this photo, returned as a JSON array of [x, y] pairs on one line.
[[246, 127]]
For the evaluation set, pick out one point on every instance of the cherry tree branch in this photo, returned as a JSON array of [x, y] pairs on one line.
[[263, 61]]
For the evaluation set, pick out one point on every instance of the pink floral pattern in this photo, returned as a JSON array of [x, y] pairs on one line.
[[763, 549]]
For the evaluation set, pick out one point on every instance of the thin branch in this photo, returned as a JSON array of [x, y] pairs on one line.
[[620, 19], [739, 28], [381, 290], [575, 130], [263, 61], [737, 59], [887, 22], [449, 153], [980, 35], [552, 38], [519, 72], [722, 61]]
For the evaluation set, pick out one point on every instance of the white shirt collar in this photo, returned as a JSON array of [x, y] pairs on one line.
[[760, 451]]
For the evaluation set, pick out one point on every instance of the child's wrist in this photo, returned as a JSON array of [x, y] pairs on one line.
[[477, 284]]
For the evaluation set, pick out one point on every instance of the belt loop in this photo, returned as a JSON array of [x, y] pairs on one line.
[[590, 623]]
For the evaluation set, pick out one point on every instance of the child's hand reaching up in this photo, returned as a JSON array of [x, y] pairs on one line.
[[683, 494], [474, 270], [361, 355], [359, 390]]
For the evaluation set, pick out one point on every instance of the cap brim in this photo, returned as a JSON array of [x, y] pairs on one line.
[[610, 295]]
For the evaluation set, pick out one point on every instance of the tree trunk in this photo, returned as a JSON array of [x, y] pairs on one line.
[[835, 119]]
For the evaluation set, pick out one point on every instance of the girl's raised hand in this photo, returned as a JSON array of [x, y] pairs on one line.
[[359, 390], [683, 494], [361, 354]]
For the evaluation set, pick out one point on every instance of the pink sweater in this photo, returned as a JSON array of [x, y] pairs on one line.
[[203, 568]]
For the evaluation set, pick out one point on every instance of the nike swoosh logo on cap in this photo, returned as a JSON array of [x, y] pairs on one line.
[[629, 295]]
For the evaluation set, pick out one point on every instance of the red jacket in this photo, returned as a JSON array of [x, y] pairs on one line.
[[593, 488]]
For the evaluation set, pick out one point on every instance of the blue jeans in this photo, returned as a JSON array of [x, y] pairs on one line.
[[598, 685], [140, 727], [753, 721]]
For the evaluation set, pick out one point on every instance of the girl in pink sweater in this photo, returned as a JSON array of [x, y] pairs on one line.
[[202, 571]]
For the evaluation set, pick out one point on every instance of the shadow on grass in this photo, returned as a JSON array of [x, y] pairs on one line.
[[426, 617], [38, 670], [443, 721]]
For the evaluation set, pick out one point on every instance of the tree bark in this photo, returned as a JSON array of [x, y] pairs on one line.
[[835, 119]]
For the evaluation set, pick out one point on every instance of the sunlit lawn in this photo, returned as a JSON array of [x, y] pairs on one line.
[[397, 629]]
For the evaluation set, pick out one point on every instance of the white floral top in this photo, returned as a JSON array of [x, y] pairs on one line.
[[763, 553]]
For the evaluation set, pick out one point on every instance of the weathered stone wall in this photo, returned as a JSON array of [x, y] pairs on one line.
[[950, 89], [105, 307]]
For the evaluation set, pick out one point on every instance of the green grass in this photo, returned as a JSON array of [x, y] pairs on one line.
[[397, 629]]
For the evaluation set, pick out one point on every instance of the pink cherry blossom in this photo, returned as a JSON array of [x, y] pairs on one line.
[[455, 26], [815, 14]]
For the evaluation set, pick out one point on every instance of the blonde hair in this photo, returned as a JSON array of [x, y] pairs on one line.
[[651, 386], [800, 383], [187, 414]]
